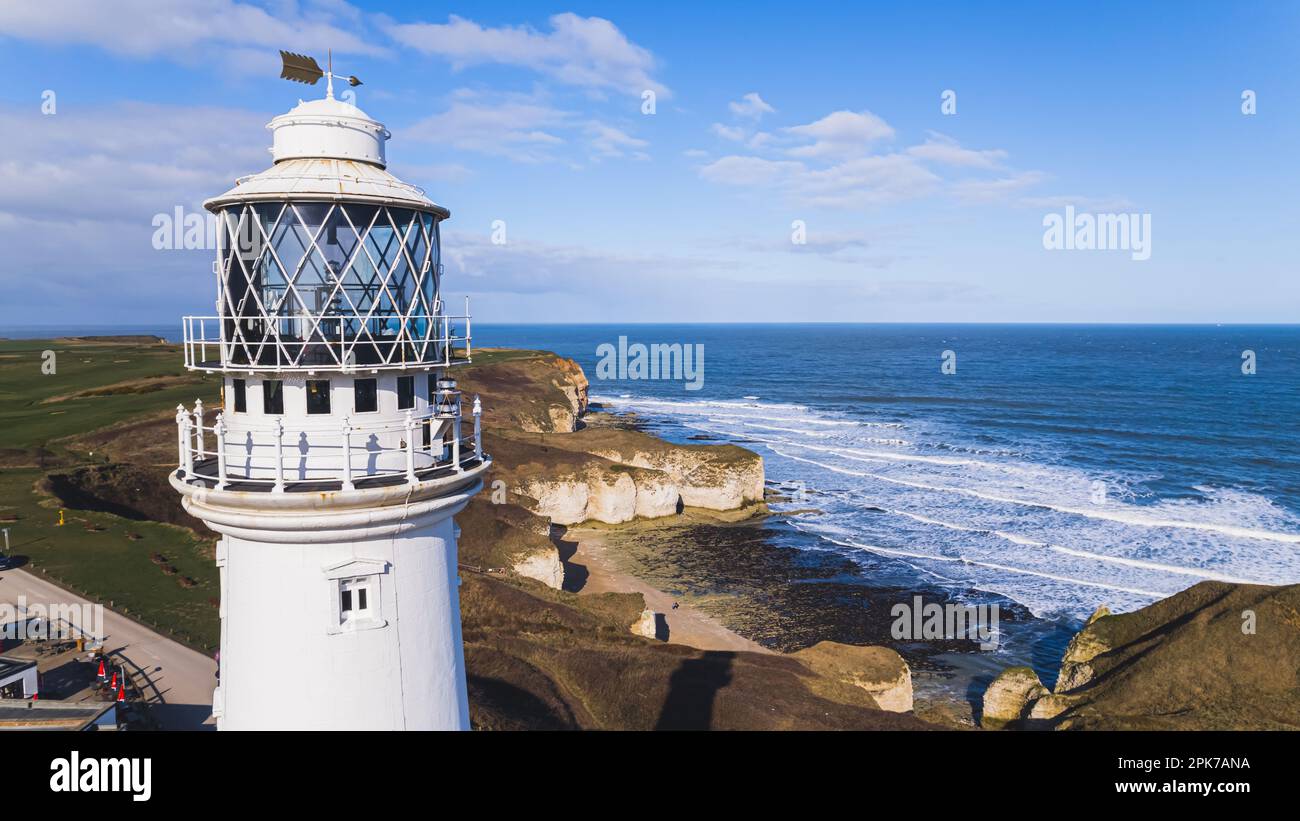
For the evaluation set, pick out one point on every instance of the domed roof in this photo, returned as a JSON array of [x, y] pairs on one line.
[[327, 149], [319, 178]]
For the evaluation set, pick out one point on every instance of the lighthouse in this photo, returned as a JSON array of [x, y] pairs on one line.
[[342, 448]]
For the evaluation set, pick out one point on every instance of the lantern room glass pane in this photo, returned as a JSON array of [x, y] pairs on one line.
[[315, 283]]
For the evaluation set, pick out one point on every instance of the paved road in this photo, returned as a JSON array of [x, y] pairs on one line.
[[183, 677]]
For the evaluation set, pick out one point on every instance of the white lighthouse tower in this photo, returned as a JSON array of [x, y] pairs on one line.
[[340, 454]]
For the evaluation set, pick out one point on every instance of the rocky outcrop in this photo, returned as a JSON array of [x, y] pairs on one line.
[[544, 566], [555, 476], [716, 477], [546, 659], [1216, 656], [533, 402], [495, 537], [664, 476], [1076, 669], [879, 673], [1010, 697], [647, 625], [530, 391], [656, 495]]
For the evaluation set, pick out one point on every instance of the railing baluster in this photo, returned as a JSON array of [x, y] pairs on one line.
[[347, 454], [279, 457], [220, 430], [478, 429], [410, 448], [198, 428], [446, 340], [455, 441], [183, 442]]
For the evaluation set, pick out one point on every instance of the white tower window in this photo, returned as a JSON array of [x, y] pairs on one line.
[[356, 595], [355, 600]]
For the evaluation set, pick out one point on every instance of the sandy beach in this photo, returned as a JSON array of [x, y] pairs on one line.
[[686, 625]]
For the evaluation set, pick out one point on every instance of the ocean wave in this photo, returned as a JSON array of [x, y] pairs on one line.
[[1029, 529], [1130, 516]]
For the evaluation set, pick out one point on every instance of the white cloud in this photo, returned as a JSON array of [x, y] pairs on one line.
[[524, 128], [588, 52], [939, 148], [832, 165], [185, 32], [728, 132], [608, 141], [518, 127], [866, 181], [476, 264], [857, 182], [125, 161], [78, 194], [996, 189], [1094, 204], [841, 134], [751, 106], [736, 170]]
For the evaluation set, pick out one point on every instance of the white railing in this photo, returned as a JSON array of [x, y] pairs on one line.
[[258, 454], [280, 343]]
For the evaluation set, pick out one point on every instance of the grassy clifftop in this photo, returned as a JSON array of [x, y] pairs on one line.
[[94, 438]]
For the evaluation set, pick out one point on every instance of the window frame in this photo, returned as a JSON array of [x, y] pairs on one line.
[[356, 578], [359, 594], [266, 397], [374, 381], [405, 380], [325, 393]]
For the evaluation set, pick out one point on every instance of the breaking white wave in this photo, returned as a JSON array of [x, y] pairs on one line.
[[993, 518]]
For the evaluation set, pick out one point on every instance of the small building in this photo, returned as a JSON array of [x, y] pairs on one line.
[[18, 678], [19, 714]]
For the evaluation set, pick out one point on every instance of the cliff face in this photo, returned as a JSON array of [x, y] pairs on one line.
[[553, 465], [526, 391], [1215, 656]]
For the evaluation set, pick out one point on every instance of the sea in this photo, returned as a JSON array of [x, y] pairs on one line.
[[1053, 468]]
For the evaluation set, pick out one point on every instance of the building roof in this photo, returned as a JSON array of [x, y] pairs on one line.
[[326, 179], [327, 150], [20, 714], [10, 666]]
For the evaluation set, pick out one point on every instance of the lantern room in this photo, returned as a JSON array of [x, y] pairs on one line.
[[326, 260]]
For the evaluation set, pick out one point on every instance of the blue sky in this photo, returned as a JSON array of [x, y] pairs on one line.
[[823, 113]]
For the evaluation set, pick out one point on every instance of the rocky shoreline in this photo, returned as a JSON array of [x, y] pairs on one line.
[[587, 512], [562, 477]]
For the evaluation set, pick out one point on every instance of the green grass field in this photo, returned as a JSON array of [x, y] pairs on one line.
[[103, 556]]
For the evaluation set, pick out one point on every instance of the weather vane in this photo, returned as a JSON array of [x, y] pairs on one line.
[[303, 69]]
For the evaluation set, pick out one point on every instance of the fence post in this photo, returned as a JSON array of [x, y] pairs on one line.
[[220, 430], [279, 456], [347, 454]]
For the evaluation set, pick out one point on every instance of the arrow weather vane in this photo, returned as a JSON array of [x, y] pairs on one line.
[[303, 69]]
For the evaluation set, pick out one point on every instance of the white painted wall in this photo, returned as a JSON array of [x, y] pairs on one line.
[[286, 665]]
